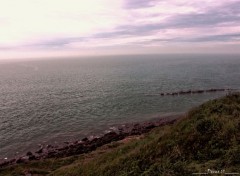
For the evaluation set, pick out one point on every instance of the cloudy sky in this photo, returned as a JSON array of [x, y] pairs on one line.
[[37, 28]]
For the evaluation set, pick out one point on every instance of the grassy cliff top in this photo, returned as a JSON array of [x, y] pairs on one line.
[[207, 138]]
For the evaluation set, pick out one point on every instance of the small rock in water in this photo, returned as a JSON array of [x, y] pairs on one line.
[[29, 154], [85, 139], [39, 151]]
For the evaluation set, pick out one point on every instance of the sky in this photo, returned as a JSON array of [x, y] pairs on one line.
[[52, 28]]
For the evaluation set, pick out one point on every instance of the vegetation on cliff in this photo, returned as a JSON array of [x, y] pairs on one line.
[[207, 138]]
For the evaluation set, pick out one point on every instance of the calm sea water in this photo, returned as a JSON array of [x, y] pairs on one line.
[[56, 100]]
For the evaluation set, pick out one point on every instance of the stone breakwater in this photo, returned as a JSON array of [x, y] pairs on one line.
[[194, 92], [87, 145]]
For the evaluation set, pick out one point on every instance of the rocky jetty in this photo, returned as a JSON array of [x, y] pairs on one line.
[[86, 145], [195, 92]]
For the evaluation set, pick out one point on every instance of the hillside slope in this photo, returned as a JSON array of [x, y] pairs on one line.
[[207, 138]]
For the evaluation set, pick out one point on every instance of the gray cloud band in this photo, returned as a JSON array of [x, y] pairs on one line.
[[227, 15]]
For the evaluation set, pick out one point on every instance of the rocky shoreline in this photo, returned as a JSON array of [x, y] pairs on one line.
[[89, 144], [86, 145]]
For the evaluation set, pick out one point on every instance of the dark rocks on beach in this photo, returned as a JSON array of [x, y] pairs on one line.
[[6, 163], [51, 154], [150, 126], [29, 154], [86, 145], [21, 160], [39, 151], [32, 157], [85, 139]]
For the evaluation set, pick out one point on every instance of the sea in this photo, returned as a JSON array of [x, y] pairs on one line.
[[49, 101]]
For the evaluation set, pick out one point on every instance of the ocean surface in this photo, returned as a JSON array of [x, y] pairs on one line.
[[54, 100]]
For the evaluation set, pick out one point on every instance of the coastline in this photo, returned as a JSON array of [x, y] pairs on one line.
[[183, 147], [91, 143]]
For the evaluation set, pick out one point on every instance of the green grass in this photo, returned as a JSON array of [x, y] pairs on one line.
[[207, 138]]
